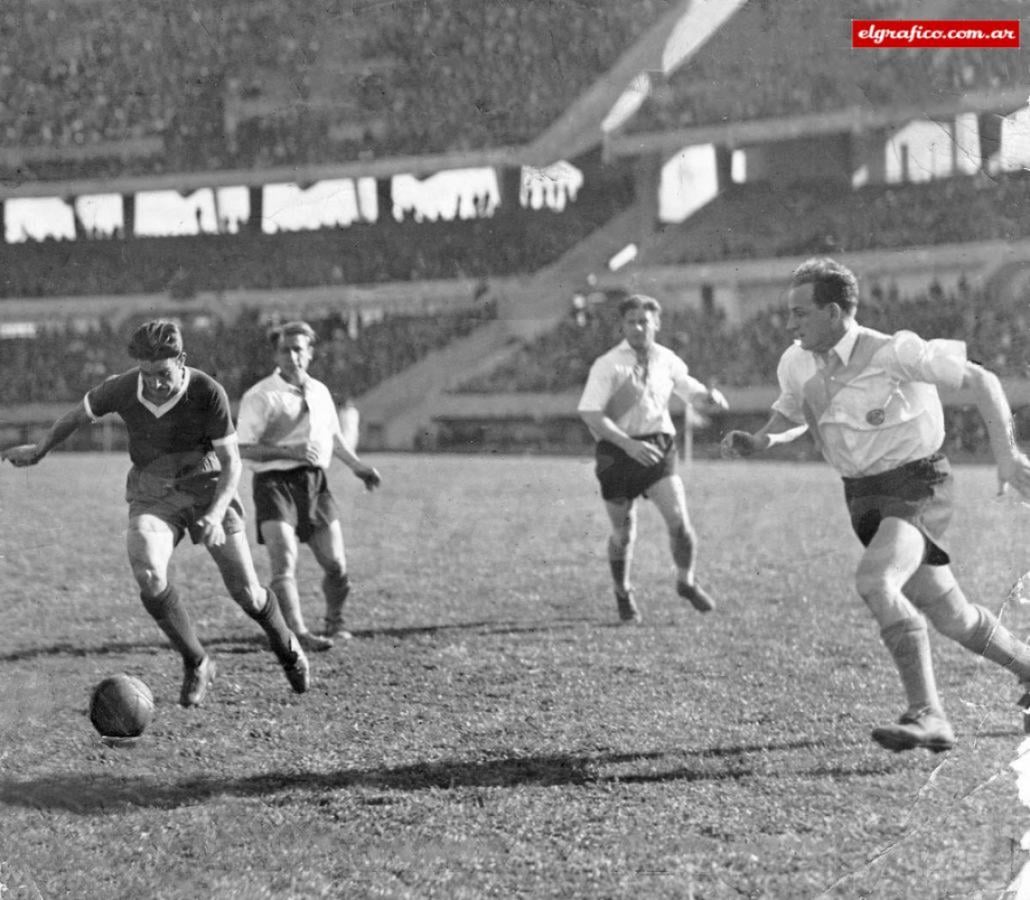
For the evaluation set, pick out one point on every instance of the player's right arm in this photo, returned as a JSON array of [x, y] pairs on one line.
[[601, 425], [251, 425], [60, 431], [778, 430]]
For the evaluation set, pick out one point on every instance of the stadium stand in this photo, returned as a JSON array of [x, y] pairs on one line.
[[253, 83], [753, 67], [61, 363], [746, 355], [512, 240], [765, 219]]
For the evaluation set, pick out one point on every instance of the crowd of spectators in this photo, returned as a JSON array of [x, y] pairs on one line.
[[243, 83], [755, 67], [509, 241], [275, 82], [746, 354], [761, 219], [353, 354]]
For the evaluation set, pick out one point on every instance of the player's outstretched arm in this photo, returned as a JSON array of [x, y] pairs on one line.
[[60, 431], [1013, 465], [349, 458], [778, 430]]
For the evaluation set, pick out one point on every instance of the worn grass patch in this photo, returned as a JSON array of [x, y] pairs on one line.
[[491, 730]]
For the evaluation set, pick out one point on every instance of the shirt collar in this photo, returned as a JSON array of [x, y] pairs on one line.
[[283, 383], [170, 402], [844, 347]]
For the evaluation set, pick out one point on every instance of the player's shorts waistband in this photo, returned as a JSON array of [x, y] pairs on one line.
[[929, 468]]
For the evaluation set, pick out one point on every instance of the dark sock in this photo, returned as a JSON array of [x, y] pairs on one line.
[[271, 620], [168, 611], [336, 587], [682, 548]]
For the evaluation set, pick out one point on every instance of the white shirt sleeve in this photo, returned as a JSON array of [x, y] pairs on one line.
[[253, 412], [939, 362], [684, 384], [790, 403], [598, 389]]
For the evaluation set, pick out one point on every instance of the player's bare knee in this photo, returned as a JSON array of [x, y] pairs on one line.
[[620, 542], [151, 583], [335, 571]]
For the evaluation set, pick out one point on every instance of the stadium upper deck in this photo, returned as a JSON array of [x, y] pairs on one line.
[[117, 87], [779, 59]]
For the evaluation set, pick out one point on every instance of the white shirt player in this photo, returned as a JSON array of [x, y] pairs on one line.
[[276, 412], [635, 395]]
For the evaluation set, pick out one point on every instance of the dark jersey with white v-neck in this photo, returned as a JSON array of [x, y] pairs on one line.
[[184, 430]]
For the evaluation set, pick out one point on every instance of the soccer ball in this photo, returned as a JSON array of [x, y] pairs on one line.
[[121, 707]]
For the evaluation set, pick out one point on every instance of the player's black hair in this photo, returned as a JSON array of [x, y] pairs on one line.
[[639, 301], [831, 281], [154, 340], [289, 329]]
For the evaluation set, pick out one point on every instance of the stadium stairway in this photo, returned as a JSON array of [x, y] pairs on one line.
[[398, 413]]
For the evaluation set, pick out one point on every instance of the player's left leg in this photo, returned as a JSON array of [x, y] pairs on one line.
[[891, 558], [150, 541], [622, 515], [282, 545], [241, 580], [670, 497], [327, 546], [934, 590]]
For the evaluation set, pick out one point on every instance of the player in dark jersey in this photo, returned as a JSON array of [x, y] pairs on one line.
[[185, 470]]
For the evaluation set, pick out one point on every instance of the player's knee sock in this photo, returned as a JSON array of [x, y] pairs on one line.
[[683, 546], [993, 641], [168, 610], [909, 644], [336, 587], [285, 589], [619, 561], [271, 620]]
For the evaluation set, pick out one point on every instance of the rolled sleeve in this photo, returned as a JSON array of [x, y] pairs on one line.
[[250, 423], [686, 385], [939, 362], [597, 390], [790, 403]]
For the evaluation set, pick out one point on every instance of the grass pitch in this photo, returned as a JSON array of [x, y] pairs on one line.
[[491, 731]]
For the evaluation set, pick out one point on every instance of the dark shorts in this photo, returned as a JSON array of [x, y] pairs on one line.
[[920, 492], [623, 478], [178, 502], [300, 497]]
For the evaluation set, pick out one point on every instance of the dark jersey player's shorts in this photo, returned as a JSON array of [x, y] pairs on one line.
[[622, 477], [178, 502], [920, 492], [298, 496]]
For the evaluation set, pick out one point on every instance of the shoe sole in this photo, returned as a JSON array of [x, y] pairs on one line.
[[898, 742], [313, 643]]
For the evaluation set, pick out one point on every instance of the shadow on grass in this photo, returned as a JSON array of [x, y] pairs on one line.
[[249, 643], [112, 794]]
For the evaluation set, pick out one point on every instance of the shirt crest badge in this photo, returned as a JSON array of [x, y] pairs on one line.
[[876, 416]]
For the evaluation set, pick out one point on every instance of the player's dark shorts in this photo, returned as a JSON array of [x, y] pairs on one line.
[[622, 477], [299, 497], [179, 502], [920, 492]]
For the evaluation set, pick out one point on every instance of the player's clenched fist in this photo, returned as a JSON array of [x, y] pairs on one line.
[[737, 444]]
